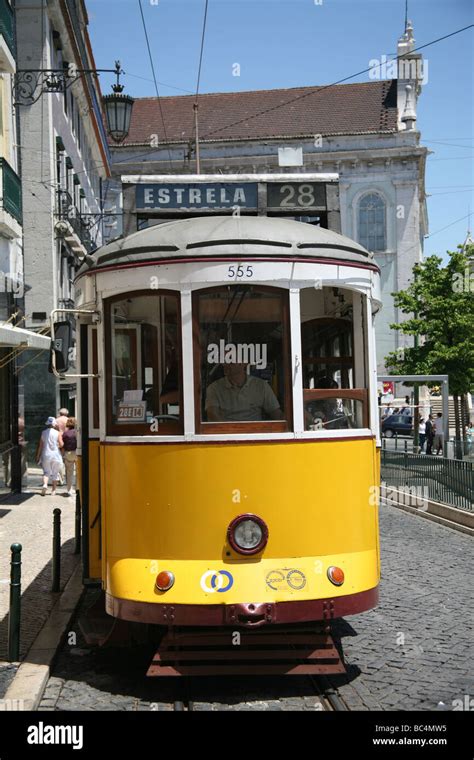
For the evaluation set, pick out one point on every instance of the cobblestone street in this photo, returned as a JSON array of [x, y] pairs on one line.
[[27, 518], [413, 652]]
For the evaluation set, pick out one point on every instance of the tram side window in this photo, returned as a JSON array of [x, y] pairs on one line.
[[333, 347], [145, 364], [242, 343]]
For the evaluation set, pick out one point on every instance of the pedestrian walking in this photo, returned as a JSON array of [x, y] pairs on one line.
[[429, 430], [422, 432], [406, 408], [469, 437], [61, 421], [48, 455], [438, 433], [70, 456]]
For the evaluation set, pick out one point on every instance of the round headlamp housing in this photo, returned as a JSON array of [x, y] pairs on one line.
[[247, 534]]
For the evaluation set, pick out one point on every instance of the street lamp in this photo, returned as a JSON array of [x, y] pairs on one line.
[[30, 84], [118, 109]]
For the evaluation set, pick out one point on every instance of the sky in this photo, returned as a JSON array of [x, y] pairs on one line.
[[294, 43]]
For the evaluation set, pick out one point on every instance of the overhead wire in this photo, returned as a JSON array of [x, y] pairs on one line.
[[196, 96], [163, 84], [155, 80], [202, 49]]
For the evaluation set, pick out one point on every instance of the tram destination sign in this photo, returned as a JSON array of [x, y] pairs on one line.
[[299, 195], [252, 196], [209, 195]]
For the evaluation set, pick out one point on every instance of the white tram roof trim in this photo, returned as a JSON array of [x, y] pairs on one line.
[[140, 179], [236, 236]]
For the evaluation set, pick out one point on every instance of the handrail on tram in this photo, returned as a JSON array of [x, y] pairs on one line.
[[53, 353]]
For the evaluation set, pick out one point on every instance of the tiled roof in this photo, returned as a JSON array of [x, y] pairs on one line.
[[346, 109]]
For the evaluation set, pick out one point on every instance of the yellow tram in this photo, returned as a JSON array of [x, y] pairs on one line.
[[228, 424]]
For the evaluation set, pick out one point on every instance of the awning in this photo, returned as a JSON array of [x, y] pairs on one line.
[[18, 337]]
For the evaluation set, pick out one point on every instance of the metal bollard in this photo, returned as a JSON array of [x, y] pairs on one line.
[[56, 549], [15, 604], [77, 544]]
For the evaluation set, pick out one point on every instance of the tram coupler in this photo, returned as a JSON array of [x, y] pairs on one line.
[[251, 614]]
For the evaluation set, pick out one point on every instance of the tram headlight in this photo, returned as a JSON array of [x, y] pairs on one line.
[[247, 534]]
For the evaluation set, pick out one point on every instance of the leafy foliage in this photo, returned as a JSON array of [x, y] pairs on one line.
[[440, 305]]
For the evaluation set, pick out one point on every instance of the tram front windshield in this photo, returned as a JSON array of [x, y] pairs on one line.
[[241, 363], [242, 355]]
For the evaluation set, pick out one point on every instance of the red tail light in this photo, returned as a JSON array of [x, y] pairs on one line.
[[164, 581], [336, 575]]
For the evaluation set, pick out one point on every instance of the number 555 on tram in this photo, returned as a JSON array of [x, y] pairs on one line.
[[228, 422]]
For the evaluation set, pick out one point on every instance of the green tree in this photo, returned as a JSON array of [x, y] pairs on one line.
[[440, 305]]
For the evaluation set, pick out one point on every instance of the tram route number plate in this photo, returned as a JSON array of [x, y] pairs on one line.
[[131, 412], [296, 195]]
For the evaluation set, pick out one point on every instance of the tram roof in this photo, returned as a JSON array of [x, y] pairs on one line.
[[217, 236]]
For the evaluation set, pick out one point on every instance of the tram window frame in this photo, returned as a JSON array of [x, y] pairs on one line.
[[95, 380], [169, 428], [356, 393], [236, 427]]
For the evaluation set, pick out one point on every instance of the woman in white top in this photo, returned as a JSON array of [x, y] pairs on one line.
[[422, 432], [48, 454]]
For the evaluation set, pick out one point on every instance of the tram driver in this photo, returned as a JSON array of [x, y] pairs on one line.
[[240, 397]]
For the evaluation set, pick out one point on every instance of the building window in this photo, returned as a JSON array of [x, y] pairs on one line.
[[372, 226]]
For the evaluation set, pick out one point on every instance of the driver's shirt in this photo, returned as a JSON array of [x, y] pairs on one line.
[[246, 403]]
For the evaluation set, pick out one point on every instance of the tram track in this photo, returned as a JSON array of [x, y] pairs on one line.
[[332, 699], [329, 697]]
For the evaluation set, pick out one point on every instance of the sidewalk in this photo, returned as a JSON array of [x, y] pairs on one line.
[[27, 518]]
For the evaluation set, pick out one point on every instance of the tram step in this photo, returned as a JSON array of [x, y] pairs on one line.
[[276, 652]]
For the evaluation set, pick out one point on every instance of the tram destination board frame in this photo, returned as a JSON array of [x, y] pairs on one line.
[[162, 197]]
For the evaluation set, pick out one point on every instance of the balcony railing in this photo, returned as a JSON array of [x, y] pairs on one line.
[[7, 28], [11, 190], [68, 212]]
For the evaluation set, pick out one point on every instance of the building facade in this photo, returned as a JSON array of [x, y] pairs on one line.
[[65, 165], [11, 264], [364, 132]]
